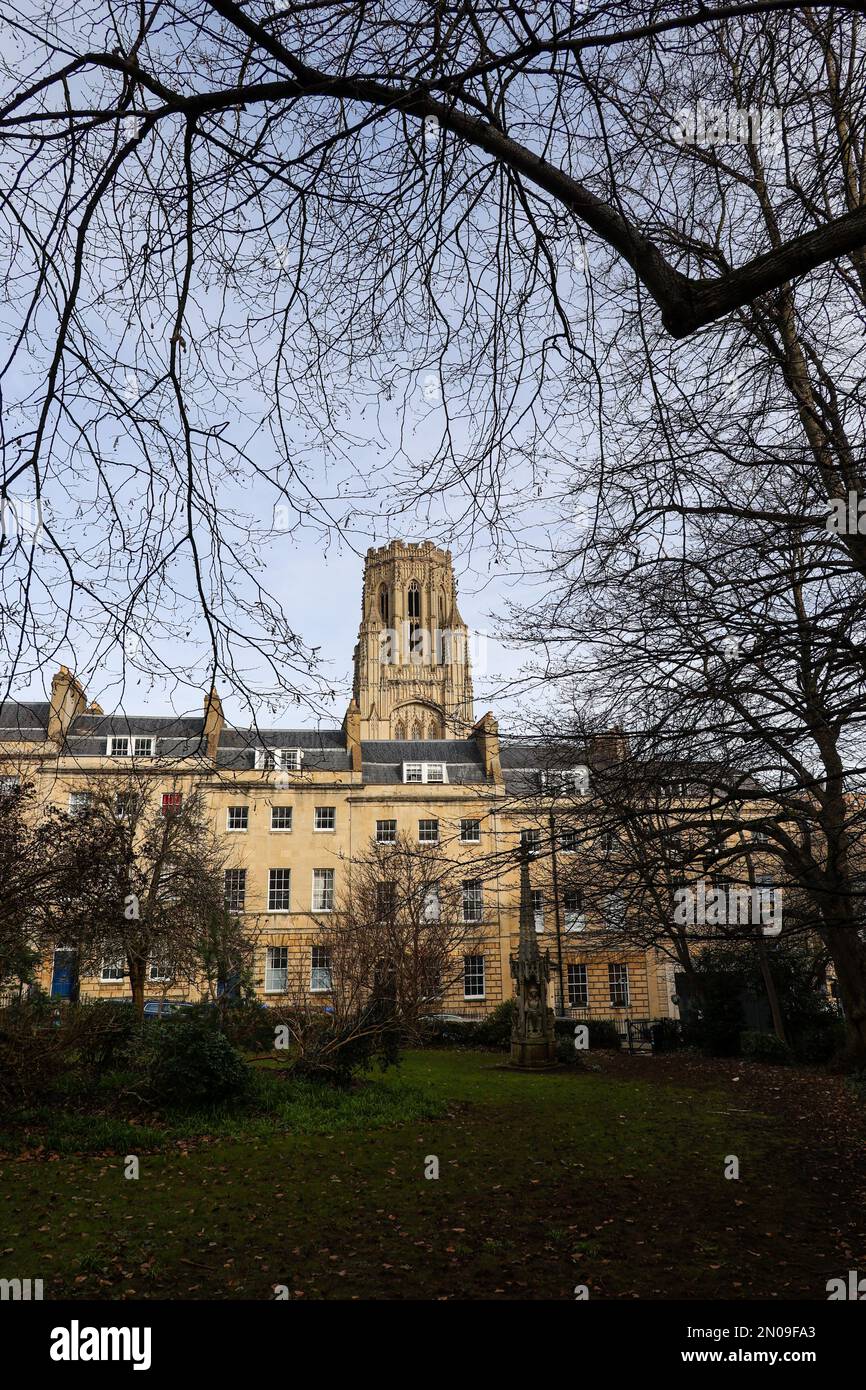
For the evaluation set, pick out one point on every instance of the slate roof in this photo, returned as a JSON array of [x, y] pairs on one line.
[[383, 760], [24, 720], [325, 749]]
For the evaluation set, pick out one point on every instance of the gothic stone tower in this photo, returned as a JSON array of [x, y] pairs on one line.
[[412, 677]]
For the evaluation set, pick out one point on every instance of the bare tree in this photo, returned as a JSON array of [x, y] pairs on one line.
[[154, 901], [736, 680], [400, 931], [43, 856], [234, 232]]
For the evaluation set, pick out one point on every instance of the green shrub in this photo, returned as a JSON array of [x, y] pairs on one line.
[[819, 1040], [602, 1031], [42, 1042], [449, 1033], [666, 1035], [247, 1025], [764, 1047], [111, 1036], [495, 1029], [193, 1064]]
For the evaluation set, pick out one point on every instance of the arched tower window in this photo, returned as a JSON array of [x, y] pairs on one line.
[[441, 609], [399, 729], [384, 603], [413, 611]]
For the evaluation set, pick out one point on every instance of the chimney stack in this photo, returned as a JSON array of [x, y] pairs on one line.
[[67, 701], [486, 734], [214, 722], [609, 747], [352, 734]]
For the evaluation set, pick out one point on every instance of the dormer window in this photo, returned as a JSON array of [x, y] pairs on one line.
[[286, 759], [137, 746], [425, 772], [571, 781]]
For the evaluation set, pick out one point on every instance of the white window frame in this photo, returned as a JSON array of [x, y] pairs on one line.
[[111, 747], [325, 829], [573, 917], [158, 979], [473, 971], [237, 829], [325, 893], [537, 898], [614, 910], [86, 802], [243, 890], [386, 898], [389, 836], [572, 835], [620, 980], [566, 779], [432, 908], [285, 880], [318, 973], [282, 829], [438, 778], [280, 971], [470, 839], [278, 759], [117, 964], [427, 839], [472, 889], [531, 840], [147, 752], [577, 982]]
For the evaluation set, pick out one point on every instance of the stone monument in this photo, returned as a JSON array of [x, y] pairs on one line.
[[533, 1037]]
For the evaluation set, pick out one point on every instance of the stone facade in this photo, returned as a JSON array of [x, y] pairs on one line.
[[412, 667], [316, 809]]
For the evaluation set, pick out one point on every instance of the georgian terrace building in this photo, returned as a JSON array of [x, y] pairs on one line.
[[297, 806]]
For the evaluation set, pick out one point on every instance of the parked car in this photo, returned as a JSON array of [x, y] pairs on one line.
[[449, 1018], [164, 1008]]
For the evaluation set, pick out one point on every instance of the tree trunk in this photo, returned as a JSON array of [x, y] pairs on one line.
[[137, 971], [846, 950], [770, 987]]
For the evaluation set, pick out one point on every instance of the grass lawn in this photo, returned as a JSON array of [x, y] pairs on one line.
[[611, 1178]]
